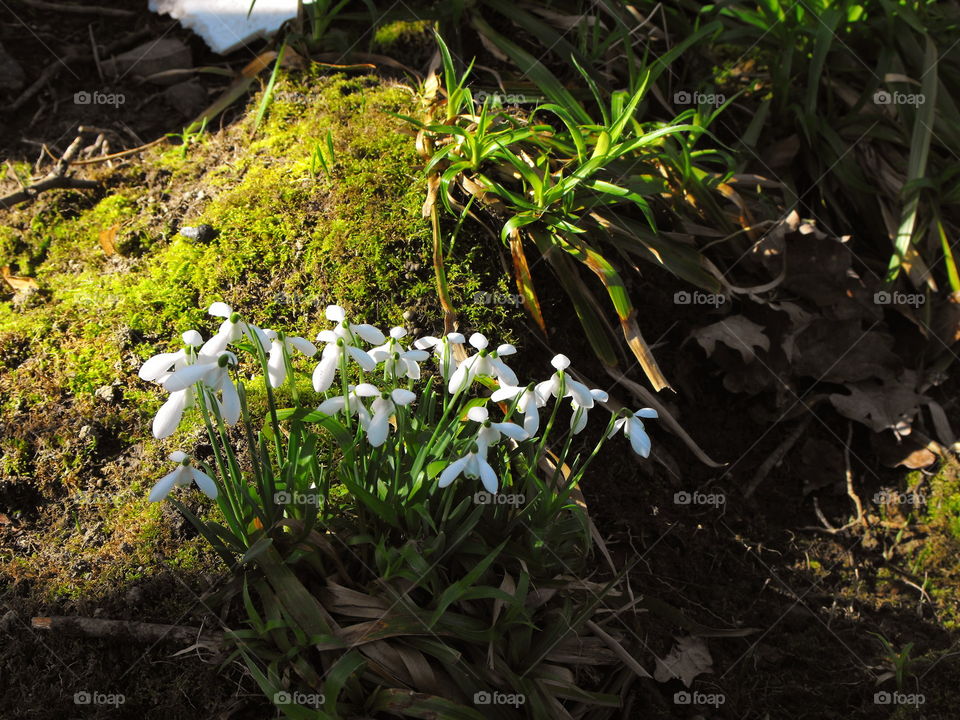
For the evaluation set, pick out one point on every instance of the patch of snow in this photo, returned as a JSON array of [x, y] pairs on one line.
[[223, 24]]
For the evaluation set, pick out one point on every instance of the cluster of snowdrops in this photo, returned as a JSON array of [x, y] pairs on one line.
[[462, 417]]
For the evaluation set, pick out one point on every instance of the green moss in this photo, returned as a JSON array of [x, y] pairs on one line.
[[290, 241]]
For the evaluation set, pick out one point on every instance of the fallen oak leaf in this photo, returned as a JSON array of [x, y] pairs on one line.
[[737, 332], [108, 239], [687, 659]]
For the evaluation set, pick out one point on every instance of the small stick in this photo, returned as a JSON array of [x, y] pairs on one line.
[[96, 55], [58, 182], [777, 456], [124, 630], [78, 9]]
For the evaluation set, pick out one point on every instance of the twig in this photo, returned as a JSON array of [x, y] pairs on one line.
[[777, 456], [125, 630], [78, 9], [849, 473], [55, 179], [54, 183]]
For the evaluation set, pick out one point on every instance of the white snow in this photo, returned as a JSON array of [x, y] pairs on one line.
[[223, 24]]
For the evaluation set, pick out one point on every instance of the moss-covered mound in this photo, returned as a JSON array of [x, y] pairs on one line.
[[116, 282]]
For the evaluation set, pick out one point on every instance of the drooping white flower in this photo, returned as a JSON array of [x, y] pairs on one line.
[[397, 361], [344, 338], [526, 404], [633, 428], [352, 400], [232, 329], [214, 373], [474, 464], [183, 476], [578, 421], [276, 367], [158, 369], [443, 349], [483, 363], [579, 392], [383, 409]]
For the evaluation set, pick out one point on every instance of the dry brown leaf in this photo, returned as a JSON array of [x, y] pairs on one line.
[[108, 239], [18, 282]]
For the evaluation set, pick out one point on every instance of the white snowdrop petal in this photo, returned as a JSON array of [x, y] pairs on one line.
[[402, 396], [205, 483], [335, 313], [479, 341], [488, 477], [363, 359], [646, 413], [331, 406], [452, 470], [163, 486], [178, 456], [369, 333], [515, 432], [303, 345], [478, 414], [169, 416], [230, 403], [158, 365], [560, 362], [220, 309], [185, 377], [506, 349], [326, 369], [366, 390], [192, 338]]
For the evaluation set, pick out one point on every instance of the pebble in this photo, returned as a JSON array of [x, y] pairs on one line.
[[109, 393]]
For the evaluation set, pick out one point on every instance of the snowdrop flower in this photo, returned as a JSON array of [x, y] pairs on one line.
[[633, 428], [353, 399], [578, 421], [397, 361], [343, 339], [158, 369], [383, 409], [232, 329], [183, 476], [214, 373], [474, 464], [443, 349], [579, 392], [483, 363], [526, 404], [276, 367]]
